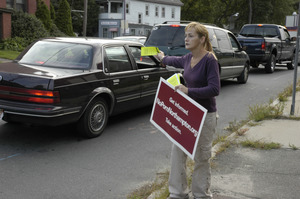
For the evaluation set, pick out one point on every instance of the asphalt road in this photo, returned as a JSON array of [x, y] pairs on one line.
[[44, 163]]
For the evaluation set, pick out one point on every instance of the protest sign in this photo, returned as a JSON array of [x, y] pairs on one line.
[[178, 116]]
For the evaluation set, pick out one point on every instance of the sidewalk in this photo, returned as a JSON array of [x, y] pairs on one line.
[[2, 60], [246, 173], [241, 172]]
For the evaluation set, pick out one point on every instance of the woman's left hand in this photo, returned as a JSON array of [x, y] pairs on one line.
[[182, 88]]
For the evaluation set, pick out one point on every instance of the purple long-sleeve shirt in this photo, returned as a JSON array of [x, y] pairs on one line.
[[202, 81]]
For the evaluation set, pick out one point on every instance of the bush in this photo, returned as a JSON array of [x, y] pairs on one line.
[[55, 32], [14, 44], [28, 27]]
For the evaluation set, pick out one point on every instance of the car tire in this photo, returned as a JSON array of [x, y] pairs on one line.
[[243, 78], [94, 119], [291, 65], [270, 66]]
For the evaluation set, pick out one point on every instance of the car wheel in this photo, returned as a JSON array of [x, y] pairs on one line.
[[94, 119], [242, 79], [270, 66], [291, 65]]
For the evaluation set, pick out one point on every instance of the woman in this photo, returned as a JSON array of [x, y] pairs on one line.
[[202, 83]]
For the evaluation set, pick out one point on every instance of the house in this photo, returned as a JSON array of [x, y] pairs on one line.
[[135, 17], [6, 9]]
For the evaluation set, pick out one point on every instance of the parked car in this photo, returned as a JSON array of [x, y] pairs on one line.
[[268, 44], [233, 60], [140, 39], [66, 80]]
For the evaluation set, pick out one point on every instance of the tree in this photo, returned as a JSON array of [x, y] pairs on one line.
[[220, 12], [201, 11], [92, 17], [63, 18], [43, 14], [52, 12]]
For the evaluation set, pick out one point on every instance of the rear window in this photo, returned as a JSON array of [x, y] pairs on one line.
[[59, 55], [171, 36], [259, 31]]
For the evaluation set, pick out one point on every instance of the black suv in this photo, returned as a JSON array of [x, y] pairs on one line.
[[233, 60]]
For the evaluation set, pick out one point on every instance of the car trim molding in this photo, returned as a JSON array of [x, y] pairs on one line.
[[44, 116]]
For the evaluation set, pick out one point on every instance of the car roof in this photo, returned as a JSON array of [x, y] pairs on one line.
[[130, 37], [90, 41], [263, 25], [212, 26]]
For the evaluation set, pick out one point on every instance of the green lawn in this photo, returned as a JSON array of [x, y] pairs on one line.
[[7, 54]]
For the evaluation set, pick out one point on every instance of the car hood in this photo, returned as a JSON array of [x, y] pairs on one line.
[[28, 76]]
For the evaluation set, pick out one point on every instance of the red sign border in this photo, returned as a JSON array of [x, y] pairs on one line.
[[201, 108]]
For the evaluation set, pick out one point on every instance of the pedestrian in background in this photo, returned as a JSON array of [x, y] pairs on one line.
[[202, 83]]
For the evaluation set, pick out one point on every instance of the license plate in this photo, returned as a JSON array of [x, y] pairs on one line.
[[1, 114]]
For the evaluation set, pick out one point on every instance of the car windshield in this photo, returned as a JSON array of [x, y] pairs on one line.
[[59, 55], [259, 31]]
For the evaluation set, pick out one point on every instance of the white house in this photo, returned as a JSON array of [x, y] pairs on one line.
[[135, 17]]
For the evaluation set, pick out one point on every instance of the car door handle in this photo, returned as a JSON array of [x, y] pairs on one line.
[[116, 81], [145, 77]]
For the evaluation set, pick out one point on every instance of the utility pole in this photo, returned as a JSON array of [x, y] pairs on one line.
[[296, 66], [85, 17], [250, 12]]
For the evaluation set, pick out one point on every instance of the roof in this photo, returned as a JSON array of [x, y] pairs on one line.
[[90, 41], [167, 2]]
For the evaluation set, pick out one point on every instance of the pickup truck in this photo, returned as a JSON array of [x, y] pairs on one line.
[[268, 44]]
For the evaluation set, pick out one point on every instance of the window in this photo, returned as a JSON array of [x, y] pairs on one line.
[[117, 59], [9, 3], [223, 40], [212, 38], [19, 5], [104, 7], [156, 11], [132, 31], [173, 13], [140, 18], [115, 7], [142, 62], [105, 33], [127, 8], [163, 12], [285, 34], [59, 55], [259, 31], [234, 43], [147, 10]]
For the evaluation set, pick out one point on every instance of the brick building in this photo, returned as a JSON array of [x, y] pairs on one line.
[[6, 9]]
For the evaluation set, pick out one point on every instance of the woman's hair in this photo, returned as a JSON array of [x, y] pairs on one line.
[[201, 31]]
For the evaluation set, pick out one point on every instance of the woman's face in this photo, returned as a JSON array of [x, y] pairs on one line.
[[192, 40]]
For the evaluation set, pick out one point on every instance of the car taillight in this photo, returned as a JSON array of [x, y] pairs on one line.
[[29, 95], [175, 25], [263, 46]]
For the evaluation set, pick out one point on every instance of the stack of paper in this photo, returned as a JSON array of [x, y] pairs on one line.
[[174, 79], [149, 51]]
